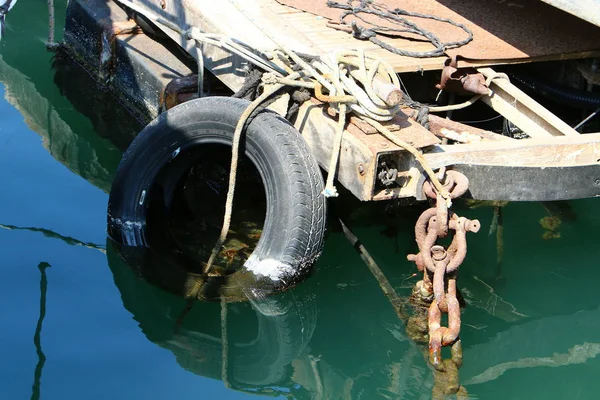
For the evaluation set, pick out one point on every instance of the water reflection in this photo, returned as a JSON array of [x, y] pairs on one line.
[[51, 234], [359, 348], [272, 345], [37, 338], [250, 346], [79, 150]]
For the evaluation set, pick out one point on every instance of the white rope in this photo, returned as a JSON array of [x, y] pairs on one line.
[[346, 70], [452, 107]]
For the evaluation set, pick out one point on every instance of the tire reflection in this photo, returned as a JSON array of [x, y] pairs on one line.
[[250, 346]]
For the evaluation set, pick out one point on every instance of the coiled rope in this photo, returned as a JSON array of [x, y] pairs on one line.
[[398, 18]]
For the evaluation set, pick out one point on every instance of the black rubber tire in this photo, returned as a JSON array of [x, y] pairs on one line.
[[294, 227]]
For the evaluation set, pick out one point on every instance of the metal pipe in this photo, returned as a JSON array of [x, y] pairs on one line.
[[51, 45], [592, 115]]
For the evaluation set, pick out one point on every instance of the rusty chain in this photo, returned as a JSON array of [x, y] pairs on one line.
[[440, 266]]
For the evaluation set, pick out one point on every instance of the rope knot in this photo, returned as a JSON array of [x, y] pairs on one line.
[[362, 33], [422, 116], [193, 33], [269, 78], [301, 95]]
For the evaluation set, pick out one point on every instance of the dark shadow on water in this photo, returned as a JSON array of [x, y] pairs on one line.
[[51, 234], [66, 134], [109, 118], [273, 346], [37, 338]]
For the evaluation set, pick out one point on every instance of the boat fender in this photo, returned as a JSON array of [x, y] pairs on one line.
[[294, 228]]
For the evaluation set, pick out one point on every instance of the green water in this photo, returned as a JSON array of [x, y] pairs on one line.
[[530, 330]]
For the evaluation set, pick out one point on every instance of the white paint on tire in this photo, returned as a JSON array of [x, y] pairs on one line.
[[270, 268]]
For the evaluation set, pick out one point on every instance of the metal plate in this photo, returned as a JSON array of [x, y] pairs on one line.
[[502, 30], [493, 182]]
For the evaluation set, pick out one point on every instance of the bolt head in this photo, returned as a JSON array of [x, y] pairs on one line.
[[361, 169]]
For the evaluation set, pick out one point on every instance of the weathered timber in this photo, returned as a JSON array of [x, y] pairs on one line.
[[553, 168], [448, 129], [360, 152], [139, 72], [522, 110]]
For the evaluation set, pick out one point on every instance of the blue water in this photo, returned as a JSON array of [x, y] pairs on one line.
[[94, 348], [530, 330]]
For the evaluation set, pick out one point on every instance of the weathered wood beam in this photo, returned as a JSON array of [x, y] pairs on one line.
[[539, 152], [522, 110], [360, 152], [448, 129]]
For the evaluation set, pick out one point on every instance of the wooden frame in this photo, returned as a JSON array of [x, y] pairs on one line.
[[553, 143]]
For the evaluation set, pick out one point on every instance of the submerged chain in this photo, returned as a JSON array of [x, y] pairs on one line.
[[438, 288]]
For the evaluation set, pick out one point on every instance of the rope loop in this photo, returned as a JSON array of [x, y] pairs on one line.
[[354, 73]]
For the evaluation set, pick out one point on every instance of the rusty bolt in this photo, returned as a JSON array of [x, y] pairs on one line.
[[361, 169]]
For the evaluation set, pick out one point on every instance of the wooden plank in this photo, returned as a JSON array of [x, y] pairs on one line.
[[358, 158], [241, 21], [560, 151], [522, 110], [356, 165], [252, 21], [468, 134]]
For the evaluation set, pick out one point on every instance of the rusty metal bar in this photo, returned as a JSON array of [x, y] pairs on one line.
[[448, 129]]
